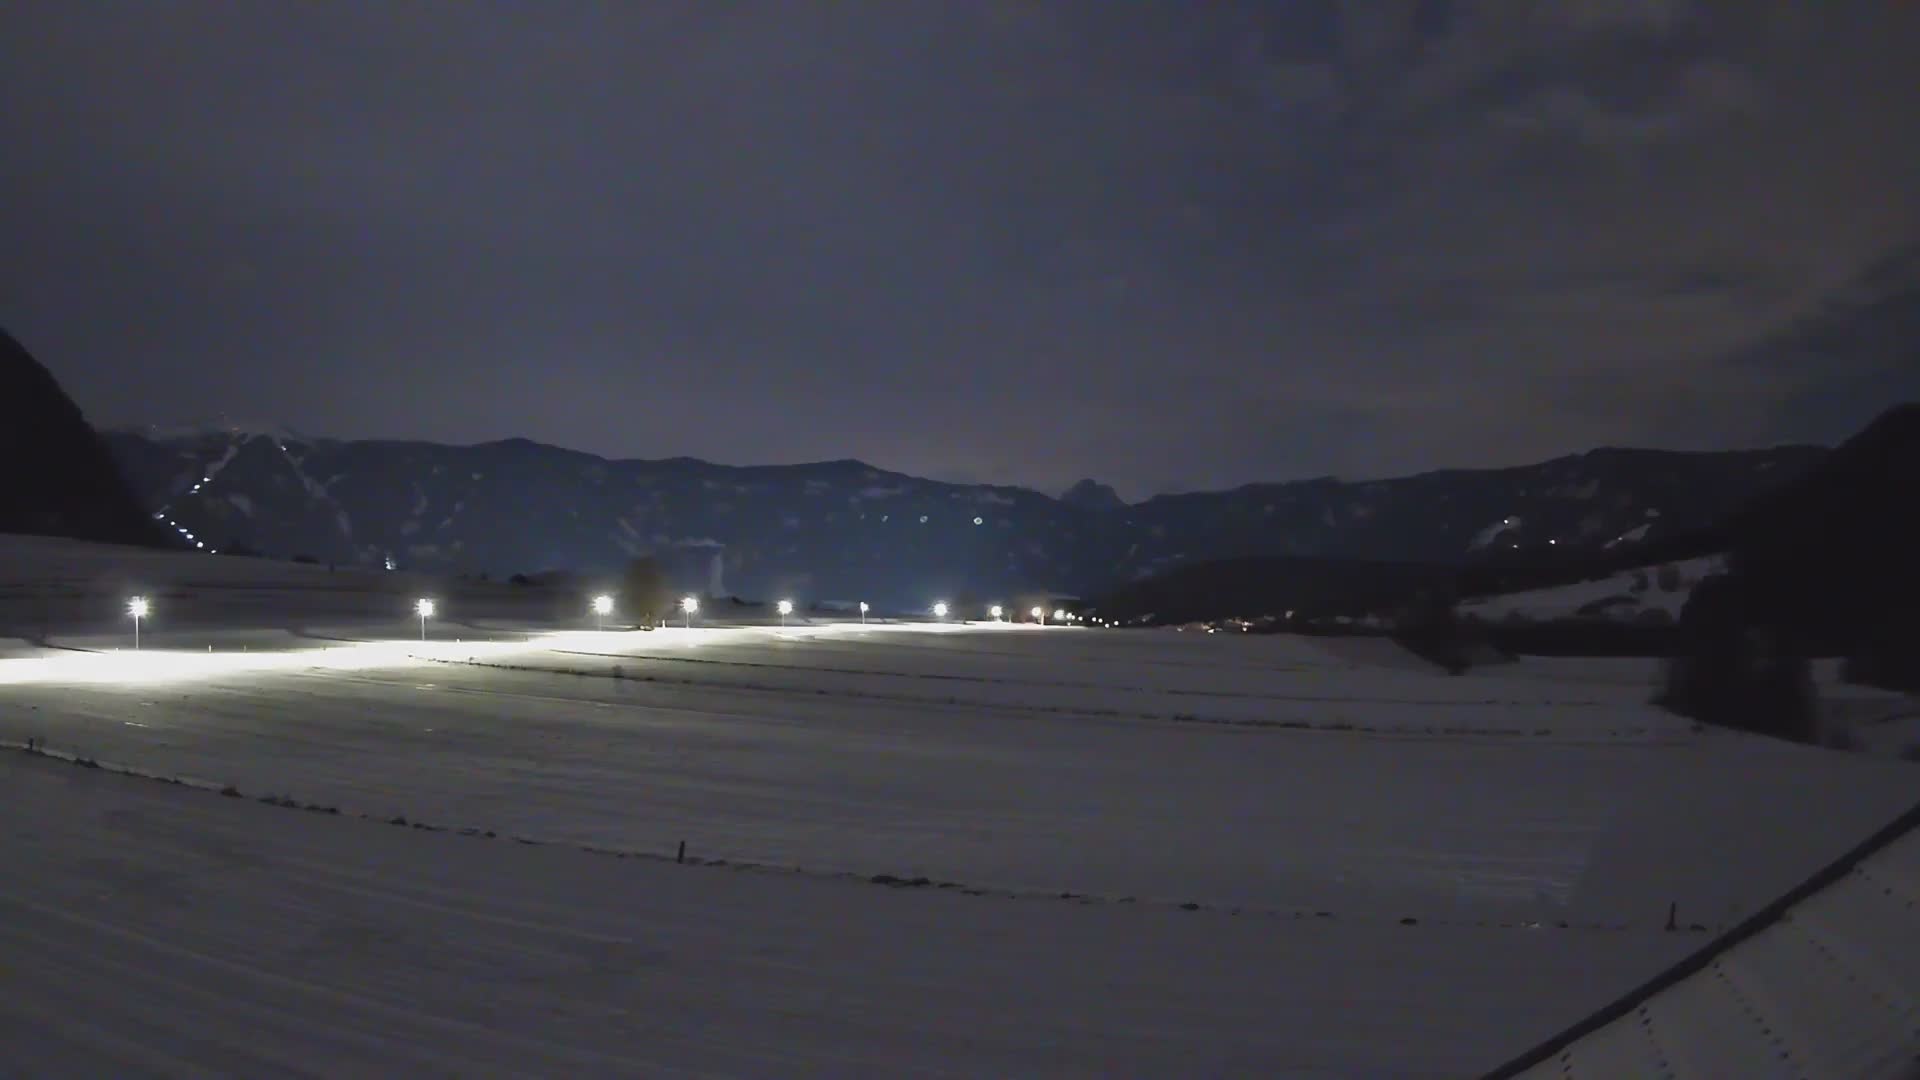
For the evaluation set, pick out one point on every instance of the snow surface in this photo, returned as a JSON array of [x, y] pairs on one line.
[[1278, 856], [1830, 989], [1566, 601]]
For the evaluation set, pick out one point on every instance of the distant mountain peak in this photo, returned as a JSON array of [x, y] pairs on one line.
[[1089, 494], [219, 426]]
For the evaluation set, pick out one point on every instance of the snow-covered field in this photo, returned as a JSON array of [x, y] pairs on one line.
[[1142, 852]]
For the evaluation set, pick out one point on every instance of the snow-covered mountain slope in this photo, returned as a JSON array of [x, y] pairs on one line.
[[841, 529], [1651, 594]]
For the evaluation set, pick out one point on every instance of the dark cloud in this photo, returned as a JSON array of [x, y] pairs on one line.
[[1161, 243]]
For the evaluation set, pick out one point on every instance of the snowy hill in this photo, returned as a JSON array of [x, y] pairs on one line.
[[846, 528], [1653, 594]]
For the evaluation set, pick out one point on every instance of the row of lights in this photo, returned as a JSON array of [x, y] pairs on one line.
[[602, 606]]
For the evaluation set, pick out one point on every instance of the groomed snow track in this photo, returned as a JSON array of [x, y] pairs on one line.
[[1823, 982]]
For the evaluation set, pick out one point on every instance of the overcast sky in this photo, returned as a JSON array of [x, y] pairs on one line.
[[1167, 244]]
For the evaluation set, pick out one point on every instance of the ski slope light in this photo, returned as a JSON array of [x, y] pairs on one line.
[[603, 605], [1040, 615], [996, 611], [1059, 614], [786, 609], [423, 608], [863, 613], [689, 605], [939, 611]]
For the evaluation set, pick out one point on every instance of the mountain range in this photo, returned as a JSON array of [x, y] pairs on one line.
[[843, 530]]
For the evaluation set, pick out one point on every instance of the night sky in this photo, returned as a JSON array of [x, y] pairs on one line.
[[1165, 244]]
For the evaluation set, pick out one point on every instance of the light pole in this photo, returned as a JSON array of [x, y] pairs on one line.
[[995, 612], [1040, 616], [786, 609], [863, 613], [602, 607], [424, 608], [1059, 615], [137, 607], [689, 605], [940, 610]]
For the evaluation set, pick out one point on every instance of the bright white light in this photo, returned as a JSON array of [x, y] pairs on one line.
[[996, 611], [603, 605], [423, 608], [786, 607], [1039, 613], [1059, 614], [198, 544], [863, 607], [689, 605], [137, 607], [939, 611]]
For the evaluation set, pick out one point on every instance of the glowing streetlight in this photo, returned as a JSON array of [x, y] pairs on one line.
[[602, 607], [689, 605], [137, 607], [940, 610], [1059, 614], [996, 611], [786, 609], [423, 607], [1040, 615], [863, 613]]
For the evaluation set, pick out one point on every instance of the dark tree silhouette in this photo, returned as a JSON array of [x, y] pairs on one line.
[[644, 591]]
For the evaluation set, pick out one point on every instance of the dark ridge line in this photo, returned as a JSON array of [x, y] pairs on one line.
[[34, 748]]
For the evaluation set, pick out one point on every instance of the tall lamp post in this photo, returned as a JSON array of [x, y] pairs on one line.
[[423, 608], [137, 607], [689, 605], [786, 609], [602, 607]]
